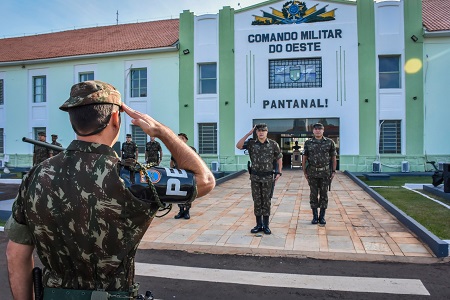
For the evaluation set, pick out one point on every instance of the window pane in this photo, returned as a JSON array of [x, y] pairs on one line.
[[139, 137], [2, 149], [295, 73], [208, 87], [36, 130], [39, 89], [208, 71], [1, 92], [207, 135], [389, 64], [390, 137], [389, 81], [208, 79], [138, 82], [389, 72], [86, 76]]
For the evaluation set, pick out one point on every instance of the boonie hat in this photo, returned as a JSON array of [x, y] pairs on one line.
[[261, 126], [318, 125], [183, 135], [92, 92]]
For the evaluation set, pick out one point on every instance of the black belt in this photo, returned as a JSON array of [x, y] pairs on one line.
[[318, 168], [261, 173]]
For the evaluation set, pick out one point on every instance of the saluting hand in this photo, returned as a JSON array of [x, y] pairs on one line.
[[149, 125]]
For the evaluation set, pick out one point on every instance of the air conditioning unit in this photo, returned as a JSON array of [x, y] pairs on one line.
[[405, 166], [441, 165], [215, 166], [376, 167]]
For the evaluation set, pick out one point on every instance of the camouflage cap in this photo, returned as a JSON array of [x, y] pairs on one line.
[[318, 125], [128, 135], [261, 126], [92, 92], [54, 135], [41, 133]]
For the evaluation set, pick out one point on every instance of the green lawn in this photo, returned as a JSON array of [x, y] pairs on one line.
[[433, 216]]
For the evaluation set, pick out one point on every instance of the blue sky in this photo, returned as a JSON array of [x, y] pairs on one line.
[[28, 17]]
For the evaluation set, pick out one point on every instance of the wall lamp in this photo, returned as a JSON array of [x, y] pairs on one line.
[[414, 38], [186, 51]]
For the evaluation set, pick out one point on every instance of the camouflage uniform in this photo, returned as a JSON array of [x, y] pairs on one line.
[[78, 214], [319, 153], [152, 150], [86, 225], [129, 150], [262, 156], [41, 154], [56, 144]]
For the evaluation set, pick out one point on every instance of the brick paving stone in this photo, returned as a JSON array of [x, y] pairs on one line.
[[357, 226]]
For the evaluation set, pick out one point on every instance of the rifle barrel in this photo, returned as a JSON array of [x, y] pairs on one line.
[[42, 144]]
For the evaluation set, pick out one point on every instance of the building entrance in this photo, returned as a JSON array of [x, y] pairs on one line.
[[292, 133]]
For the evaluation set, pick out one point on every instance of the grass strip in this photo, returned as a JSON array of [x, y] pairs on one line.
[[430, 214]]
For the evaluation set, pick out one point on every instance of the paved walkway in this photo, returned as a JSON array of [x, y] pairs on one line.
[[357, 228]]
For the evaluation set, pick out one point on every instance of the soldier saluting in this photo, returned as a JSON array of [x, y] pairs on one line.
[[263, 152], [77, 212], [318, 152]]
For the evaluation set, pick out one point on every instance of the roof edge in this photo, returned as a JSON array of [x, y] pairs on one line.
[[172, 48], [440, 33]]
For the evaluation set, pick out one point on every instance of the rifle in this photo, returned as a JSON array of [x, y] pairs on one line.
[[42, 144], [275, 171], [331, 174]]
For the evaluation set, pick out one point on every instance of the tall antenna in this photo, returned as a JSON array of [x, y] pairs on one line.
[[117, 18]]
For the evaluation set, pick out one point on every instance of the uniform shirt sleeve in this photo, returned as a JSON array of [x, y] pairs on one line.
[[333, 149], [18, 233], [277, 151]]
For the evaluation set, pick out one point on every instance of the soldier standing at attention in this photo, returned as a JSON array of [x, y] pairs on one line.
[[263, 152], [76, 211], [153, 152], [130, 150], [317, 154], [41, 153], [54, 142]]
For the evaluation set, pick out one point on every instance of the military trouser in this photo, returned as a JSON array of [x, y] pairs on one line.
[[318, 187], [261, 197], [186, 206]]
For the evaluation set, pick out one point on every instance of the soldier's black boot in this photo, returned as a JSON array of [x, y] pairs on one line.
[[322, 217], [187, 216], [315, 218], [259, 226], [180, 214], [266, 228]]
